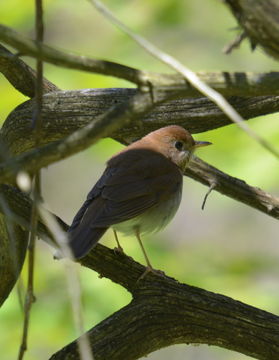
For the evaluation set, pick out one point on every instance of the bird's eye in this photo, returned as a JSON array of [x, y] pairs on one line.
[[179, 145]]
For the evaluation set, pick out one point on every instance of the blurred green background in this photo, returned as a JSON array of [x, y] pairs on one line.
[[228, 248]]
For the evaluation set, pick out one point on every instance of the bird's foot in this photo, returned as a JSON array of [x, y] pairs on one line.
[[148, 270]]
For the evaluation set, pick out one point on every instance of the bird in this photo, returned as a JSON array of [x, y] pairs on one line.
[[138, 193]]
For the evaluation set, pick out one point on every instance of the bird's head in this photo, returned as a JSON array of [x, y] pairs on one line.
[[174, 142]]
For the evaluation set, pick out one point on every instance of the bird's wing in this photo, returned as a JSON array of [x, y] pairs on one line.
[[94, 193], [134, 181]]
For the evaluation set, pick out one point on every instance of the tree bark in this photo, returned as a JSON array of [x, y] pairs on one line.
[[164, 312], [260, 21]]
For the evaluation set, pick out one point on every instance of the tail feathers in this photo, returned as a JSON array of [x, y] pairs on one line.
[[82, 240]]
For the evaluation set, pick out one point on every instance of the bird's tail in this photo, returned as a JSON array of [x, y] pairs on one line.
[[82, 239]]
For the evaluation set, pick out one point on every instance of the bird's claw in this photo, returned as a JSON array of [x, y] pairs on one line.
[[148, 270]]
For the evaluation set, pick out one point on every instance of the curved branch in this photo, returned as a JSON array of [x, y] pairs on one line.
[[20, 75], [137, 104], [179, 313]]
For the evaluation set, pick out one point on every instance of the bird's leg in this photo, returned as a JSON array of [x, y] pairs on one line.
[[119, 248], [142, 248], [149, 267]]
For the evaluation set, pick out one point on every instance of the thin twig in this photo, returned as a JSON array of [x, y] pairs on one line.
[[235, 43], [189, 75], [36, 190], [211, 187], [30, 297], [227, 83], [71, 61], [73, 280]]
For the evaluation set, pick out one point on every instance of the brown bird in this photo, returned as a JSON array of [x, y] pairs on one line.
[[139, 191]]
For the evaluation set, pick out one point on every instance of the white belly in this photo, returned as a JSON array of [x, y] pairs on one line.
[[152, 220]]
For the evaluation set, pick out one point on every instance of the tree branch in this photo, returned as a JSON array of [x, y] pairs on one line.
[[235, 188], [259, 19], [67, 111], [189, 75], [180, 313], [228, 84], [102, 125], [20, 75]]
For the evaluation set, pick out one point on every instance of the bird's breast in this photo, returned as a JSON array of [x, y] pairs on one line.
[[153, 219]]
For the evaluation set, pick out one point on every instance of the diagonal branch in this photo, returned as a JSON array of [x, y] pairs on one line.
[[29, 47], [227, 83], [235, 188]]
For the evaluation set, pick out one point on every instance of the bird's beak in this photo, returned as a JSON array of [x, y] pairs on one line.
[[201, 143]]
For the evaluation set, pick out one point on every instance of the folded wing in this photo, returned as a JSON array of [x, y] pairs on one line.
[[134, 181]]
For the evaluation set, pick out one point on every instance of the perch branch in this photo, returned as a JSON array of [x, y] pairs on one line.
[[180, 313], [232, 187]]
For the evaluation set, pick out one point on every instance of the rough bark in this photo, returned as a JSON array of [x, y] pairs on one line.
[[164, 312], [67, 111], [260, 21]]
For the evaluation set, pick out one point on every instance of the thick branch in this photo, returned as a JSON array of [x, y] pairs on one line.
[[228, 84], [20, 75], [79, 140], [180, 313], [67, 111], [260, 21], [137, 104]]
